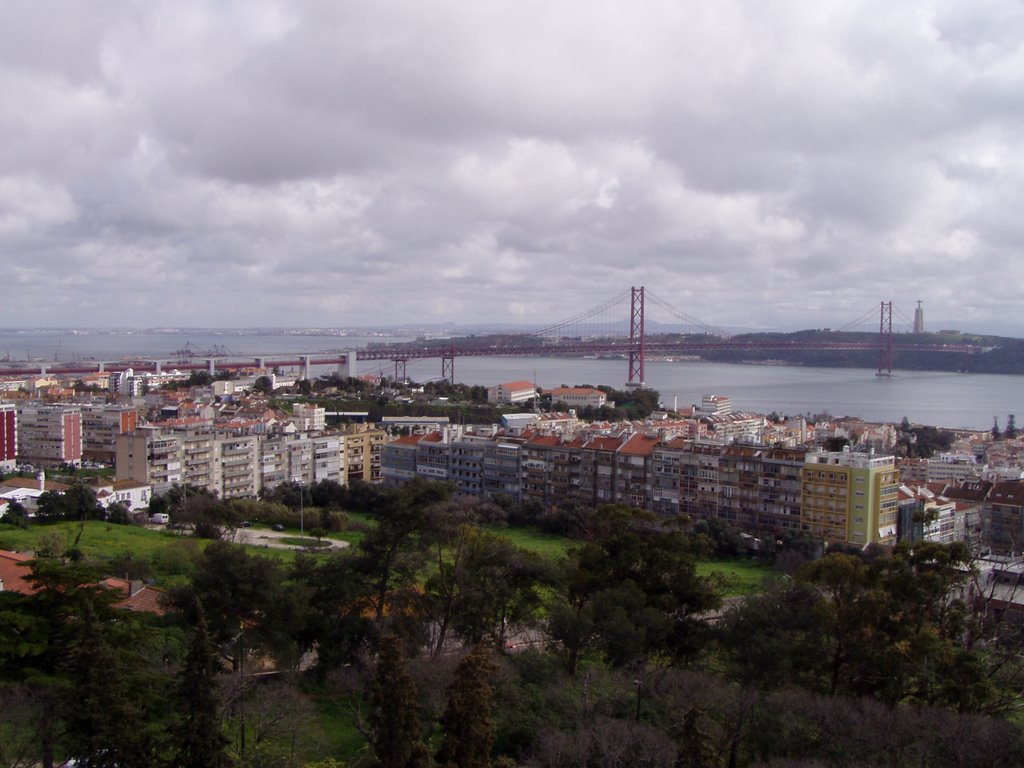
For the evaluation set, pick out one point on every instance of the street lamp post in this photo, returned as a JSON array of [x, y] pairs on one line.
[[302, 492]]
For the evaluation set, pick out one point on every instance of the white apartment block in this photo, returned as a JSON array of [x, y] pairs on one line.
[[951, 468], [309, 418], [715, 405], [230, 465]]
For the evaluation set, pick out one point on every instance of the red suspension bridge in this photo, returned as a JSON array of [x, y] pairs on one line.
[[632, 325]]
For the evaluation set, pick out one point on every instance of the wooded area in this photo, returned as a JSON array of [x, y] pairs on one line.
[[437, 641]]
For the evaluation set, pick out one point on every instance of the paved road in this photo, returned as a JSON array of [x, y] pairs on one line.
[[260, 537]]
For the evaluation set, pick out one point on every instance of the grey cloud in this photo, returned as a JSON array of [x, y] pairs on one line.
[[334, 163]]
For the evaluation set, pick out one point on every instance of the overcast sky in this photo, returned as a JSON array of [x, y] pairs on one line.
[[769, 165]]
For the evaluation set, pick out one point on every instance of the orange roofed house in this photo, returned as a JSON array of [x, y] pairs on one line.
[[16, 576]]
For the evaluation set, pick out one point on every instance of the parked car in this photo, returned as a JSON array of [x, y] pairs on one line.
[[277, 527]]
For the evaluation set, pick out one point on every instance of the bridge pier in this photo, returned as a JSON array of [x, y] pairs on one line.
[[211, 367], [102, 368], [261, 363], [306, 367], [158, 366], [347, 369]]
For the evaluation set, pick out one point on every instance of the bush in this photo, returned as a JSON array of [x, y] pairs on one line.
[[274, 513]]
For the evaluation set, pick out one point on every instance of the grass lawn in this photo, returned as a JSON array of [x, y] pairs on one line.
[[304, 541], [165, 556], [532, 540], [737, 577], [99, 540], [335, 719]]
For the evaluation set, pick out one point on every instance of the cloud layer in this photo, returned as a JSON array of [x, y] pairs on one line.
[[321, 163]]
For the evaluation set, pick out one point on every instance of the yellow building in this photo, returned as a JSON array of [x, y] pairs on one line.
[[363, 446], [851, 497]]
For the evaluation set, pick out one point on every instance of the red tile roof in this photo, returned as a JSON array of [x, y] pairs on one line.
[[14, 573], [407, 440], [138, 596], [640, 445], [517, 385]]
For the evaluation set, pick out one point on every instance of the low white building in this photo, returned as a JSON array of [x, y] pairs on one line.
[[579, 397], [511, 392], [133, 494]]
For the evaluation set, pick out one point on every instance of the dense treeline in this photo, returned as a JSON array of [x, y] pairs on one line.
[[446, 644]]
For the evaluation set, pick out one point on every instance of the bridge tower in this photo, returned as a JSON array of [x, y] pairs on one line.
[[885, 340], [400, 363], [637, 341], [448, 365]]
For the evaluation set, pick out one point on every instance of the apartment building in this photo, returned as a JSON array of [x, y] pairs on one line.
[[951, 468], [634, 470], [363, 446], [466, 465], [309, 418], [761, 489], [8, 437], [228, 463], [501, 470], [850, 497], [399, 460], [1002, 518], [101, 424], [736, 427], [714, 405], [49, 435], [433, 456], [550, 468], [699, 479], [926, 515], [597, 470]]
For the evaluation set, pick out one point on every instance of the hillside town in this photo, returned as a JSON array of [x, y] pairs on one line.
[[838, 481]]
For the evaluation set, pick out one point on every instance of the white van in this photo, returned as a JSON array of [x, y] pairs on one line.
[[160, 518]]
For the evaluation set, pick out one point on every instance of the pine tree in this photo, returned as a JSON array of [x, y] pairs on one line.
[[395, 735], [104, 717], [468, 721], [199, 738]]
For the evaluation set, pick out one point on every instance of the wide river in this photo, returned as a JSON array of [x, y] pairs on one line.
[[955, 400]]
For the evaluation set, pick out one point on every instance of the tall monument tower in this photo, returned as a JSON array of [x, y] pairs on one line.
[[919, 319]]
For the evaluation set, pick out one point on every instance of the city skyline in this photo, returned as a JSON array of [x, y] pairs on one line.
[[313, 165]]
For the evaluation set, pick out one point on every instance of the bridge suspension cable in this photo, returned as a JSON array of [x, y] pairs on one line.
[[688, 319], [549, 330], [871, 314]]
